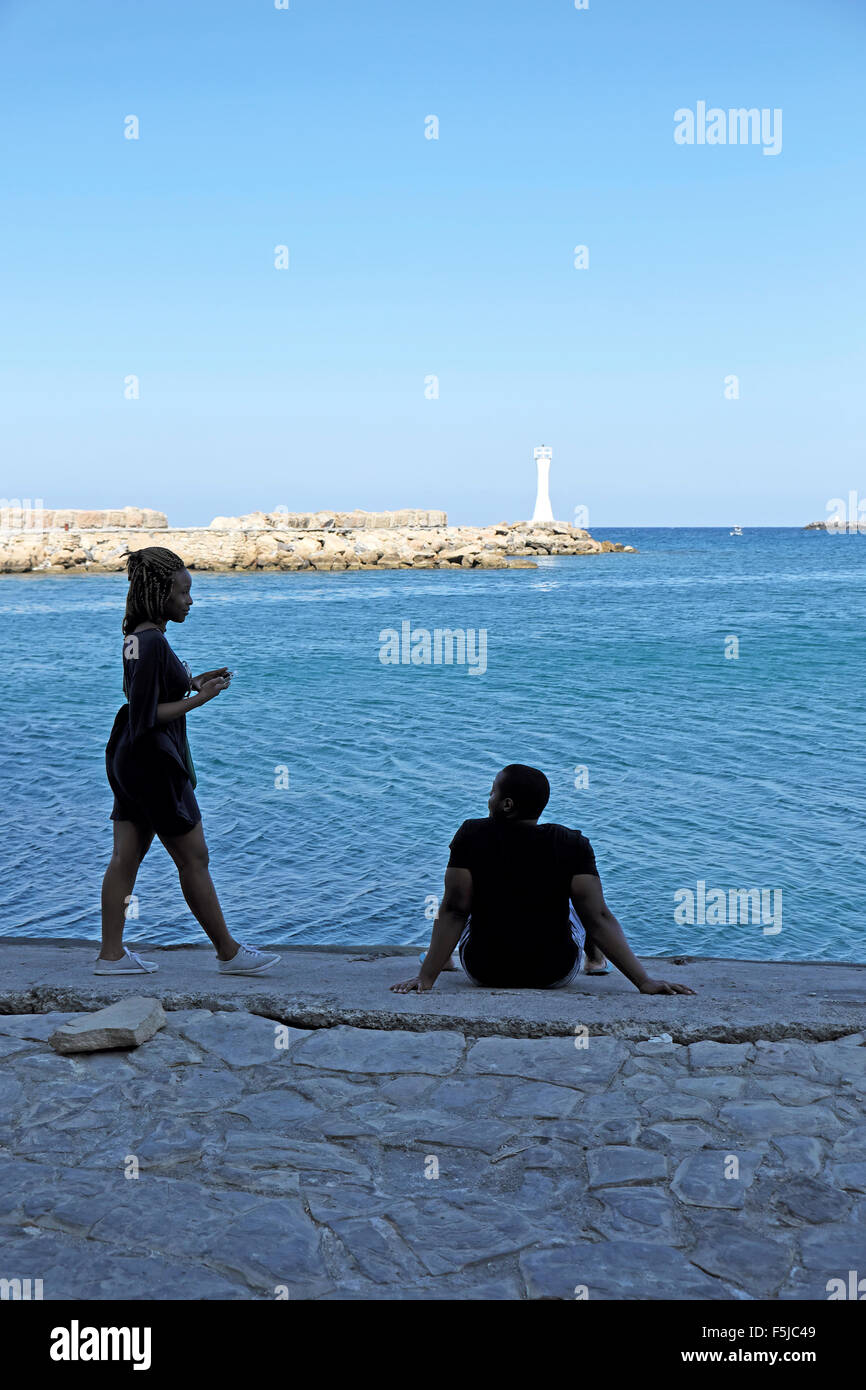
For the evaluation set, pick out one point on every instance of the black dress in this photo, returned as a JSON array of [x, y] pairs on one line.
[[149, 766]]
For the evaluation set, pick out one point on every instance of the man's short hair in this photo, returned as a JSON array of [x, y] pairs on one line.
[[528, 788]]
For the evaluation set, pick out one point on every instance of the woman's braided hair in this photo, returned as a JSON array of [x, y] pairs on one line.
[[150, 571]]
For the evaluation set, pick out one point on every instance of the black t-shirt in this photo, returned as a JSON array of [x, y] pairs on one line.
[[519, 928]]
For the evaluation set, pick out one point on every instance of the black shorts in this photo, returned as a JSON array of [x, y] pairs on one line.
[[578, 937], [159, 796]]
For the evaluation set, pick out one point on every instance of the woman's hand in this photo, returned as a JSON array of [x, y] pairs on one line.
[[198, 681], [209, 689]]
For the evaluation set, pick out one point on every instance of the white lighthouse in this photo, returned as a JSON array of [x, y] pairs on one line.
[[543, 510]]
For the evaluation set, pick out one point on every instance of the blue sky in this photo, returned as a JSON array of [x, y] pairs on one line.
[[412, 257]]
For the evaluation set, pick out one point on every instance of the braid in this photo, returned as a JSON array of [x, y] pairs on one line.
[[150, 573]]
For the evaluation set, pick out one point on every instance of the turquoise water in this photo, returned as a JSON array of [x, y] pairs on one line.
[[738, 773]]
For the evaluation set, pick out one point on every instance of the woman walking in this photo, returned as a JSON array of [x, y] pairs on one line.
[[151, 772]]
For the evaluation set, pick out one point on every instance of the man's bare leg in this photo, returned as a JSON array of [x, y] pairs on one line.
[[593, 958], [452, 963]]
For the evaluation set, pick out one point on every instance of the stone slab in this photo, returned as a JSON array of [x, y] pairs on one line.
[[127, 1023], [617, 1269]]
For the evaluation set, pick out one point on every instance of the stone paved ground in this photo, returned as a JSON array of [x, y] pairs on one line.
[[373, 1164]]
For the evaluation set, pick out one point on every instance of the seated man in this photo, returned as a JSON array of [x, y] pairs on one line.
[[522, 900]]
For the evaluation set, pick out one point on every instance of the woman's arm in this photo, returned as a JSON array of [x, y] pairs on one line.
[[173, 709]]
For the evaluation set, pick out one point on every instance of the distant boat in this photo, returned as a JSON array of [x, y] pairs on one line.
[[737, 531]]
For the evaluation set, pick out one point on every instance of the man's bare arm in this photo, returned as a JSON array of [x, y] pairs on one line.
[[605, 932], [454, 909]]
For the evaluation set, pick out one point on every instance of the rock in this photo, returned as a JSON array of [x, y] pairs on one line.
[[680, 1136], [851, 1176], [788, 1056], [475, 1095], [170, 1143], [833, 1249], [555, 1060], [242, 1039], [128, 1023], [451, 1230], [454, 556], [646, 1082], [39, 1027], [711, 1087], [538, 1098], [616, 1165], [616, 1269], [639, 1212], [613, 1131], [277, 1108], [850, 1145], [676, 1106], [434, 1131], [812, 1199], [839, 1062], [715, 1054], [10, 1094], [9, 1046], [791, 1090], [730, 1249], [758, 1119], [261, 1148], [379, 1252], [274, 1244], [800, 1152], [700, 1179], [369, 1050]]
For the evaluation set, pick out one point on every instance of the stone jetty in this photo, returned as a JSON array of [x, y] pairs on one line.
[[59, 542]]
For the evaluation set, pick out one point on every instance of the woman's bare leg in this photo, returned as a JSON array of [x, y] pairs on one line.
[[131, 843], [190, 854]]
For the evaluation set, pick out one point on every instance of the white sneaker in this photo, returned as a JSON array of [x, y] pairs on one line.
[[129, 964], [248, 961]]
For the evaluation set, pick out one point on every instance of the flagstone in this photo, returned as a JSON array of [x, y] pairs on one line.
[[373, 1051], [614, 1165], [617, 1269], [555, 1060], [701, 1179]]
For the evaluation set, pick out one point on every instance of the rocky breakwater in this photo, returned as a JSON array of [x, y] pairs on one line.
[[315, 541]]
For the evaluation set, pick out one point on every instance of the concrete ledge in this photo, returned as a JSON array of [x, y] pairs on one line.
[[321, 987]]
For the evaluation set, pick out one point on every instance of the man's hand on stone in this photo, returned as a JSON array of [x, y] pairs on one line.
[[420, 983], [663, 987]]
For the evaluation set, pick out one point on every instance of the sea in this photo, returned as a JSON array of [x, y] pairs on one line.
[[697, 708]]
